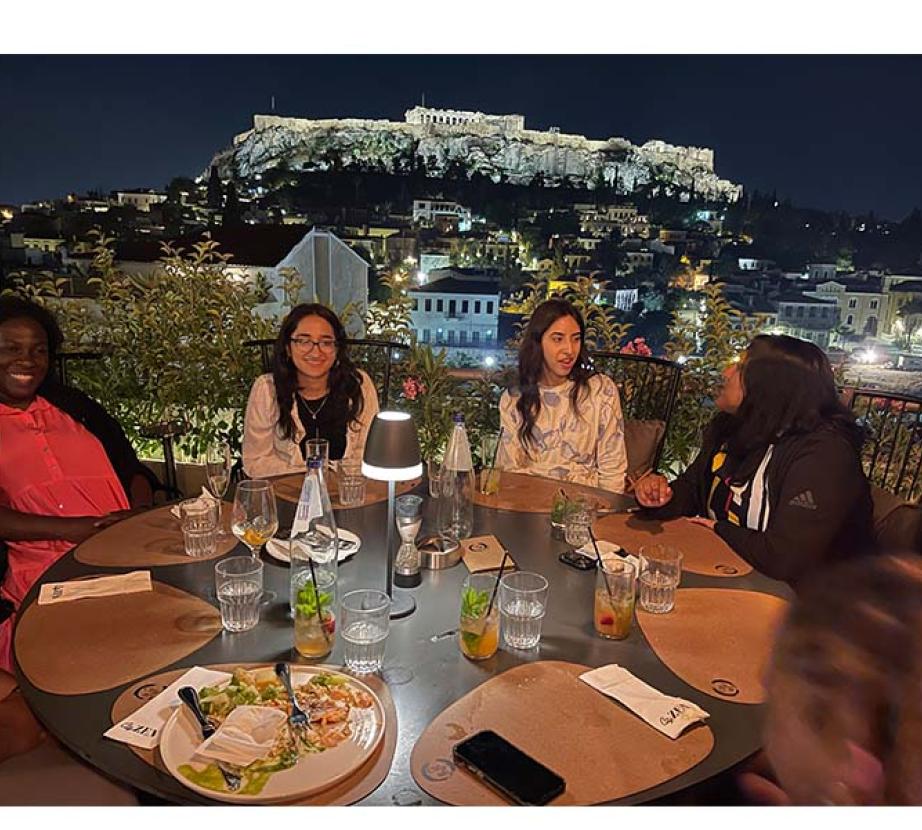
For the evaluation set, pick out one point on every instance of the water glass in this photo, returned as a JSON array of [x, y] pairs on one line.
[[660, 574], [351, 484], [319, 447], [578, 520], [239, 587], [365, 618], [433, 471], [478, 634], [198, 518], [614, 598], [522, 603]]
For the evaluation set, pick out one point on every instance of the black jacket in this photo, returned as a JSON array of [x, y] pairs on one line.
[[819, 502]]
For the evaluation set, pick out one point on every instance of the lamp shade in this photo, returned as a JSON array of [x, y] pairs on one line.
[[392, 448]]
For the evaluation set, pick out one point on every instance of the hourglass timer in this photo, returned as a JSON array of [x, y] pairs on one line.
[[409, 520]]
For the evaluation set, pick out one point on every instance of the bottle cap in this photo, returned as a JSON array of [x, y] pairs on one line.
[[458, 418]]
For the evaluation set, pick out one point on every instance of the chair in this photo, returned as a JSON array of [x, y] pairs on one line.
[[64, 359], [892, 452], [377, 357], [648, 387]]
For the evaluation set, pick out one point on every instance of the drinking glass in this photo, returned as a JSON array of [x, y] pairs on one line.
[[199, 527], [489, 472], [660, 575], [315, 611], [351, 484], [319, 447], [479, 632], [578, 518], [254, 519], [614, 598], [522, 603], [433, 471], [365, 621], [218, 466], [239, 585]]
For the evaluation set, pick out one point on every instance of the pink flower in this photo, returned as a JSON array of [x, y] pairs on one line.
[[412, 388], [637, 346]]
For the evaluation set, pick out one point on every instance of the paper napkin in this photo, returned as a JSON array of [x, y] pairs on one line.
[[142, 728], [670, 715], [102, 586], [484, 553], [247, 734], [205, 496], [609, 550]]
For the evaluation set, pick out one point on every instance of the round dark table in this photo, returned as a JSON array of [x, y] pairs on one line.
[[424, 671]]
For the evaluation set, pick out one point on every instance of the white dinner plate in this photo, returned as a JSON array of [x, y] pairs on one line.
[[349, 543], [312, 774]]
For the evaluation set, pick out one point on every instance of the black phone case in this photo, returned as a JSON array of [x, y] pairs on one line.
[[577, 560]]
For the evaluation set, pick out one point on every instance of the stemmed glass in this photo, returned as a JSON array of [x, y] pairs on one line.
[[218, 466], [254, 518]]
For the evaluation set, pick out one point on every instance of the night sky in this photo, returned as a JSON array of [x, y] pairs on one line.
[[828, 132]]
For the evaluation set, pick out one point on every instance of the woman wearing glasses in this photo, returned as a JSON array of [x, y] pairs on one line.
[[313, 391]]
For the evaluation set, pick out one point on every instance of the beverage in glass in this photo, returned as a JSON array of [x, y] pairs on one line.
[[239, 586], [319, 448], [351, 484], [218, 466], [315, 614], [522, 604], [578, 518], [254, 519], [365, 617], [479, 624], [614, 598], [489, 470], [433, 470], [660, 575], [199, 527]]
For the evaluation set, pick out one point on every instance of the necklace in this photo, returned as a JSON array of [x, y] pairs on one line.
[[315, 412]]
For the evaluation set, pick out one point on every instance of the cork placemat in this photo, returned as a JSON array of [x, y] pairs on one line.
[[88, 645], [535, 494], [602, 750], [363, 782], [288, 488], [703, 551], [717, 640], [150, 539]]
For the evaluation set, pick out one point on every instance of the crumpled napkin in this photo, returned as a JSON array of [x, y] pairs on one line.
[[247, 735], [609, 550], [102, 586], [205, 496], [670, 715]]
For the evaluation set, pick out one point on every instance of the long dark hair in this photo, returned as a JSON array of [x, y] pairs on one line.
[[531, 364], [19, 308], [788, 389], [345, 382]]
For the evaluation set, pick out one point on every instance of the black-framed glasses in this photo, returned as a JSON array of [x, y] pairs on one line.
[[307, 344]]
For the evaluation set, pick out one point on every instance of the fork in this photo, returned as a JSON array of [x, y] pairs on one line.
[[298, 718], [189, 696]]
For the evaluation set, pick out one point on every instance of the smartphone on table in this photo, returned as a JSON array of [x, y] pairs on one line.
[[578, 560], [507, 769]]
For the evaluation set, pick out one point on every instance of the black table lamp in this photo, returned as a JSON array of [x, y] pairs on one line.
[[392, 455]]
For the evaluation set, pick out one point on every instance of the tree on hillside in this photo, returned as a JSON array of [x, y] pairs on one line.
[[910, 314]]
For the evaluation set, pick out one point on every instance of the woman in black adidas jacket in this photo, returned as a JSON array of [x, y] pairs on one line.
[[778, 476]]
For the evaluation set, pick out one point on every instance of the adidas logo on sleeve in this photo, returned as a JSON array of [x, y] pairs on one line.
[[804, 500]]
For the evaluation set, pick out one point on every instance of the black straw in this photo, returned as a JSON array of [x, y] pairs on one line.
[[502, 565], [310, 562], [598, 558], [499, 438]]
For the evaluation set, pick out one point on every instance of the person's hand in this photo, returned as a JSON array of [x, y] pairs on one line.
[[652, 491], [79, 528], [701, 520]]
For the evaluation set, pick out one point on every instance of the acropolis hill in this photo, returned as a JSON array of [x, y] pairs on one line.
[[498, 146]]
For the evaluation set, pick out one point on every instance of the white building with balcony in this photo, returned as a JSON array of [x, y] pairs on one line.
[[454, 311], [141, 200], [429, 211]]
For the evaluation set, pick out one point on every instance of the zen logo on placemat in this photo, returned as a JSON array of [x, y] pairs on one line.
[[140, 729], [804, 500], [57, 592], [441, 769], [673, 714]]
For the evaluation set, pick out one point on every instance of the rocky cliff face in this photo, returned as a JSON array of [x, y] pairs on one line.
[[518, 156]]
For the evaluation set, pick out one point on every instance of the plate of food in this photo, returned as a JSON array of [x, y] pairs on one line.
[[346, 725], [349, 543]]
